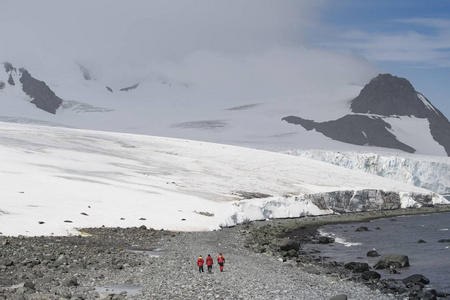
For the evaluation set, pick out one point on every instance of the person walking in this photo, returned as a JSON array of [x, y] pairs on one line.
[[221, 261], [209, 263], [200, 262]]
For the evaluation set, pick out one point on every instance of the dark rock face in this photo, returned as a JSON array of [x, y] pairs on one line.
[[385, 96], [43, 97], [355, 129], [362, 200], [388, 95]]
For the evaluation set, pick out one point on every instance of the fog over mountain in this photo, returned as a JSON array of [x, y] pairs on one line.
[[205, 71]]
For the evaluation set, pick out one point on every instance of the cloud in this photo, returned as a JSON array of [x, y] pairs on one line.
[[410, 46], [240, 49], [138, 30]]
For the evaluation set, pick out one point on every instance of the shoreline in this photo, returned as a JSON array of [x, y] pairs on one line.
[[74, 267], [305, 231], [355, 217]]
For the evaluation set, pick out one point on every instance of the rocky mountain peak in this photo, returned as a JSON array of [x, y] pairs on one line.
[[388, 95]]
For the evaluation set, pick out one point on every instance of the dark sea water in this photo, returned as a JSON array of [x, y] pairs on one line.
[[398, 235]]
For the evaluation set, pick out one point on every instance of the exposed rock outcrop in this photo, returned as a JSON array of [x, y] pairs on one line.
[[385, 97], [43, 97], [355, 129], [388, 95], [364, 200]]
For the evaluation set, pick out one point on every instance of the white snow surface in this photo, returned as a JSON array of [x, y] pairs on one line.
[[55, 180]]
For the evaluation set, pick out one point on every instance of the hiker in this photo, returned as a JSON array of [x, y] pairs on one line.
[[209, 263], [200, 262], [221, 261]]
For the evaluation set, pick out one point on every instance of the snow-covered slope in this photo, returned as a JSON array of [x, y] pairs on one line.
[[55, 180]]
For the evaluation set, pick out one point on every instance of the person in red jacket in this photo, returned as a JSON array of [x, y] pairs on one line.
[[200, 262], [209, 263], [221, 261]]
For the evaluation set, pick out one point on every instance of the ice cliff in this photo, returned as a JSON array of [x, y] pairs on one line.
[[428, 172]]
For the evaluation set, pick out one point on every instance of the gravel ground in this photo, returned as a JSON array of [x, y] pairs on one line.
[[247, 275], [90, 266]]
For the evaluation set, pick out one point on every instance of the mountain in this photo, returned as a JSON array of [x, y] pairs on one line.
[[397, 139], [384, 99]]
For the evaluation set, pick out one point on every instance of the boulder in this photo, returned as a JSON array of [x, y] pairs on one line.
[[362, 229], [416, 278], [325, 240], [360, 267], [373, 253], [70, 281], [444, 241], [289, 244], [357, 267], [370, 275], [392, 261], [421, 241]]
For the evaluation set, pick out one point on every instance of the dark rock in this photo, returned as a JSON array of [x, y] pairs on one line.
[[109, 89], [392, 261], [8, 67], [357, 267], [6, 262], [370, 275], [339, 297], [356, 130], [130, 88], [362, 229], [421, 242], [70, 281], [373, 253], [416, 278], [289, 244], [11, 80], [360, 267], [325, 240], [43, 97], [444, 241], [2, 85]]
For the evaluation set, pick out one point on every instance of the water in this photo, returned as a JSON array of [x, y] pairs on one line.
[[398, 235]]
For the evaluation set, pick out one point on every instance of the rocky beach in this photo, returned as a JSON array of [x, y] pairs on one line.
[[264, 260]]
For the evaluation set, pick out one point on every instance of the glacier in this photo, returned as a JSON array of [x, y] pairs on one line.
[[429, 172]]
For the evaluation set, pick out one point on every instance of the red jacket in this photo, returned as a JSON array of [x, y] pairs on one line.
[[200, 261], [209, 261], [220, 259]]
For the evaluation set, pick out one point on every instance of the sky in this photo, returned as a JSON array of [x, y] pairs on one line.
[[293, 39]]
